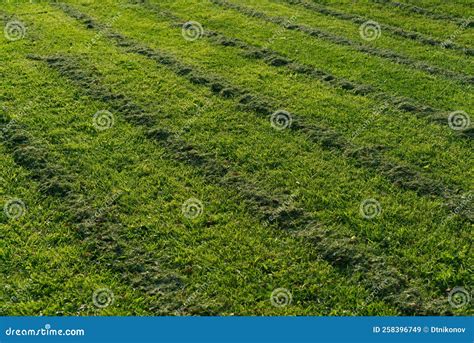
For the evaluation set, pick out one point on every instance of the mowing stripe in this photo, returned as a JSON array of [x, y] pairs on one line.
[[320, 34], [346, 255], [416, 36], [368, 157], [427, 13], [276, 59], [100, 233]]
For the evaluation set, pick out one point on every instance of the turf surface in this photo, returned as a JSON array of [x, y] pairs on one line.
[[147, 173]]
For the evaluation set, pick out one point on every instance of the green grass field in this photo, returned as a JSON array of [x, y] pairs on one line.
[[236, 157]]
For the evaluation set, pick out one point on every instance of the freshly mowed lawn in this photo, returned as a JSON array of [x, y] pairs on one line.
[[184, 199]]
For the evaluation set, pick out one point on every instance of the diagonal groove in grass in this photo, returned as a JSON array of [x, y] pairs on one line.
[[416, 36], [367, 157], [345, 254], [426, 12], [276, 59], [320, 34], [100, 233]]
